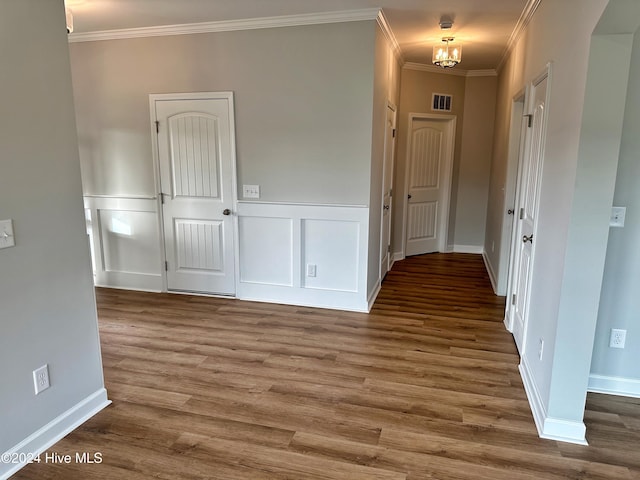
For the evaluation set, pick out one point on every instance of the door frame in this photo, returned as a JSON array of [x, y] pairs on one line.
[[225, 95], [517, 225], [394, 109], [449, 154]]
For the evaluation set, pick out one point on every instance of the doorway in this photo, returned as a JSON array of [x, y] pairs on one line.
[[387, 193], [527, 201], [196, 164], [428, 183]]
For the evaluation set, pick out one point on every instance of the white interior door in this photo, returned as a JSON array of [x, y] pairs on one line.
[[528, 201], [387, 185], [196, 160], [429, 179]]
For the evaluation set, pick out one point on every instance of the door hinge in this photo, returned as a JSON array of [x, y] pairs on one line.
[[529, 120], [521, 213], [394, 133], [513, 299], [157, 126], [166, 266], [162, 198]]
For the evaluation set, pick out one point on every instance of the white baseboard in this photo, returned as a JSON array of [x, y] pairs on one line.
[[398, 256], [55, 430], [624, 387], [475, 249], [548, 427], [492, 275]]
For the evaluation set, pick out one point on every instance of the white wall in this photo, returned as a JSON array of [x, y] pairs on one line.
[[576, 192], [617, 370], [48, 311]]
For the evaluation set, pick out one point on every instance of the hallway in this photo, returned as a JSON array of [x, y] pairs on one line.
[[426, 386]]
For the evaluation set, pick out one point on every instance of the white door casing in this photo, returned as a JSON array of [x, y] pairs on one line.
[[387, 185], [196, 160], [527, 211], [428, 183]]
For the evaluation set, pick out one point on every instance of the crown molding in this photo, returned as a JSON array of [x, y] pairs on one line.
[[246, 24], [525, 17], [458, 72], [384, 25]]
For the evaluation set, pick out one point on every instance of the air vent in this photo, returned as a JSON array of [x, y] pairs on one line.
[[441, 102]]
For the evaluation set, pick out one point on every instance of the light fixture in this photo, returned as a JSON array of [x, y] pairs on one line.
[[69, 16], [447, 55]]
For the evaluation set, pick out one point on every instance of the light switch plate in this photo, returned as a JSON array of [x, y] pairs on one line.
[[6, 234], [617, 216], [251, 191]]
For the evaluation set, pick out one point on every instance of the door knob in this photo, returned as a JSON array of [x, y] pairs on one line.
[[529, 239], [386, 207], [510, 211], [409, 196], [226, 211]]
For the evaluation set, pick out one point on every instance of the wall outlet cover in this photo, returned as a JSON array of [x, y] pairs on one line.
[[41, 379], [617, 216], [251, 191]]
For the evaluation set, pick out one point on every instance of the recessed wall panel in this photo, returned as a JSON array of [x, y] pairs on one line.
[[266, 250]]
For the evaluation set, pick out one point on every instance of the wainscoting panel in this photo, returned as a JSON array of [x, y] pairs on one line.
[[266, 250], [311, 255], [331, 247], [125, 242]]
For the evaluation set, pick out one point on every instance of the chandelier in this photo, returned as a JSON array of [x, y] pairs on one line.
[[447, 55]]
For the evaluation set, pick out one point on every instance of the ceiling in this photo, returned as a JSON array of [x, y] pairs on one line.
[[483, 26]]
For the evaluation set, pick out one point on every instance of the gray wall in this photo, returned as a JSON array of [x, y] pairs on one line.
[[475, 160], [415, 97], [46, 289], [474, 106], [303, 107], [620, 302]]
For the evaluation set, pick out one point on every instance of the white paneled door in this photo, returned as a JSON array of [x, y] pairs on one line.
[[387, 197], [528, 200], [196, 159], [429, 179]]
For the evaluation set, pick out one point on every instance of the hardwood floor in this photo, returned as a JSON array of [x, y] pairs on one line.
[[426, 386]]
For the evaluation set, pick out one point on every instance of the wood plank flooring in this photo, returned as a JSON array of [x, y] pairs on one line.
[[426, 386]]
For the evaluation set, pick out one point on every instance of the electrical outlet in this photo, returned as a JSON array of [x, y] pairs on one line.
[[617, 216], [541, 349], [41, 378], [618, 337], [311, 270]]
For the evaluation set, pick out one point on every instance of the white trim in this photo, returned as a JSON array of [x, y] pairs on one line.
[[474, 249], [398, 256], [121, 197], [490, 272], [231, 25], [55, 430], [548, 427], [386, 29], [450, 122], [624, 387], [458, 72], [301, 204], [526, 16]]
